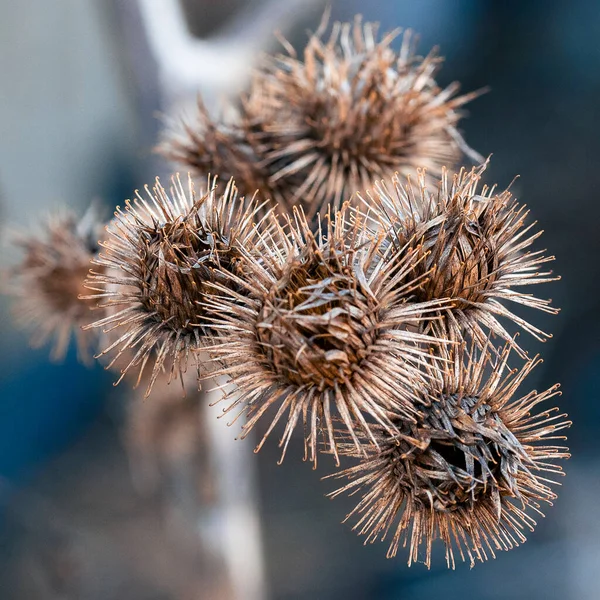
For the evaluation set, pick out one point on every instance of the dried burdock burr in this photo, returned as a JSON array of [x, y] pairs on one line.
[[322, 331], [208, 146], [314, 130], [49, 279], [477, 246], [161, 252], [470, 471]]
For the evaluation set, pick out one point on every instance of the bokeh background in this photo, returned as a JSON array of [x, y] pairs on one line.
[[85, 89]]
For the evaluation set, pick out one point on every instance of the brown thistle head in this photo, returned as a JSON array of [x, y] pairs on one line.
[[216, 147], [161, 253], [315, 129], [324, 332], [49, 279], [469, 471], [476, 246]]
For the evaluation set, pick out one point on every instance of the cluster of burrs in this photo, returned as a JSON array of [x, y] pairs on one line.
[[376, 328]]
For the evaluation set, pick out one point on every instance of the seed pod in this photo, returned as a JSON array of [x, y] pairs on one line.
[[313, 130], [476, 247], [470, 470], [161, 252], [323, 331], [49, 279]]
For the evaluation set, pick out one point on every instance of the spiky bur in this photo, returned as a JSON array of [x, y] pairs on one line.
[[49, 279], [476, 245], [161, 253], [218, 147], [321, 330], [469, 471], [314, 130]]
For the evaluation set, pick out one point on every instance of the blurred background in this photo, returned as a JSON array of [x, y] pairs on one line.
[[103, 496]]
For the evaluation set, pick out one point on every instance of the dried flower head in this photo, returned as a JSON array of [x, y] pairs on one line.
[[49, 280], [211, 147], [469, 471], [314, 130], [161, 252], [322, 332], [477, 249]]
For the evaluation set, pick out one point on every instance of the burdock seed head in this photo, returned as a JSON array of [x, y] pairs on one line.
[[477, 248], [470, 471], [314, 130], [208, 147], [322, 333], [49, 279], [161, 252]]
